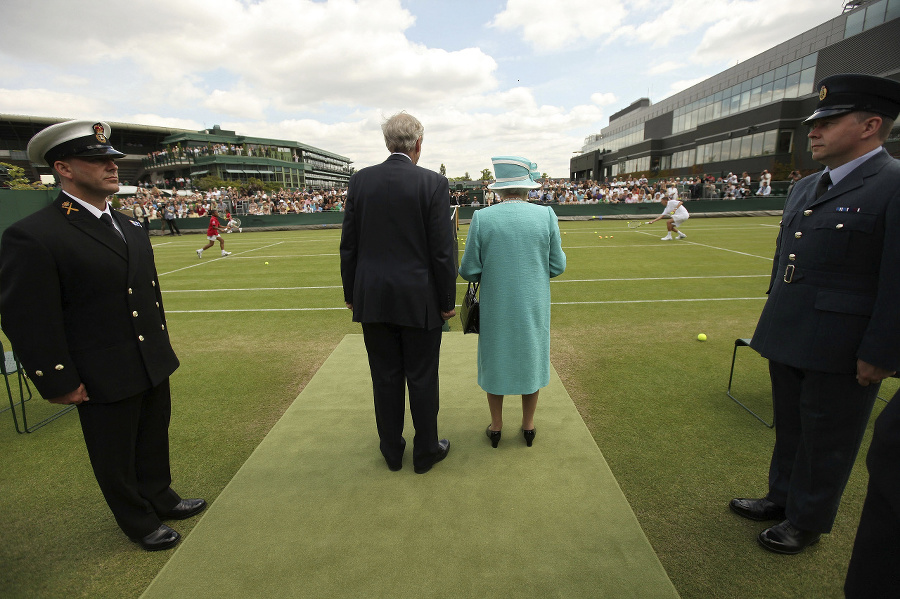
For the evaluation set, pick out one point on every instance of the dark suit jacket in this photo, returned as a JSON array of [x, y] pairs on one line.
[[397, 262], [841, 254], [79, 306]]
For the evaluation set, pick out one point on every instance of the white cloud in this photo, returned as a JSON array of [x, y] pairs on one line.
[[242, 103], [664, 67], [561, 23], [44, 102], [604, 99]]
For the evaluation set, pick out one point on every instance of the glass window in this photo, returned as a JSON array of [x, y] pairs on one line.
[[717, 109], [781, 71], [717, 97], [746, 143], [754, 97], [874, 14], [768, 77], [810, 60], [784, 142], [806, 81], [726, 106], [735, 148], [765, 94], [778, 89], [726, 150], [794, 67], [756, 81], [854, 23], [793, 82], [735, 103], [745, 100], [769, 139], [893, 10], [745, 86], [757, 148], [716, 152]]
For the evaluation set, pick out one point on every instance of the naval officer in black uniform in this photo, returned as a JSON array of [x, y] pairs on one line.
[[831, 325], [81, 304]]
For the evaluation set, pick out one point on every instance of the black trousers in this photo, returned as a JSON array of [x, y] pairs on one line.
[[401, 357], [173, 228], [128, 444], [820, 419], [873, 571]]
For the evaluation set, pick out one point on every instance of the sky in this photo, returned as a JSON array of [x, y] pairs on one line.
[[486, 78]]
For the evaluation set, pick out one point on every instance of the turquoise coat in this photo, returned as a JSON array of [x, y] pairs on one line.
[[513, 249]]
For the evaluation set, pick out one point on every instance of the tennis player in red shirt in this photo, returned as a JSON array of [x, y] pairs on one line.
[[212, 234]]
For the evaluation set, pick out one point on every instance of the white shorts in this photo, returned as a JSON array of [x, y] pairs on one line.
[[212, 237], [677, 221]]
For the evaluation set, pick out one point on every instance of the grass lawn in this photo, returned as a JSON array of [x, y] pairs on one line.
[[252, 329]]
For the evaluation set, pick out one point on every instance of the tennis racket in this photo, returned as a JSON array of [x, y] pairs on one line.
[[634, 224], [234, 224]]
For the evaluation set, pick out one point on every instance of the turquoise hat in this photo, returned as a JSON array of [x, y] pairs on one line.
[[514, 172]]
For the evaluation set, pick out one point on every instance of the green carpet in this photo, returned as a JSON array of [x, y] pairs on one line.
[[315, 512]]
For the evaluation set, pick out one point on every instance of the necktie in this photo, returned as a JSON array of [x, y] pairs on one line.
[[822, 187], [106, 219]]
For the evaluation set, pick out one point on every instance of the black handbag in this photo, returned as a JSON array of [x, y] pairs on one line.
[[468, 312]]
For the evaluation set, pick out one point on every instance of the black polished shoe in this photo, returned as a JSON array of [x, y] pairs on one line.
[[443, 450], [184, 509], [395, 466], [158, 540], [787, 538], [529, 436], [757, 509], [494, 436]]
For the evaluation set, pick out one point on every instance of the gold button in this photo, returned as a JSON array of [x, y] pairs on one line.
[[59, 367], [163, 327], [134, 313], [153, 283], [792, 257], [39, 372], [157, 304], [140, 337], [781, 221], [798, 234], [130, 291], [839, 226], [807, 212]]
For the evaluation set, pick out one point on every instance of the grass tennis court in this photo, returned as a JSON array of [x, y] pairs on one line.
[[626, 315]]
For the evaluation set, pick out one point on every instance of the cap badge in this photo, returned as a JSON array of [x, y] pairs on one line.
[[69, 207], [99, 133], [822, 93]]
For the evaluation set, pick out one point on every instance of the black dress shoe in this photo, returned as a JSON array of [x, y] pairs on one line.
[[443, 450], [494, 436], [529, 436], [161, 538], [395, 466], [787, 538], [184, 509], [757, 509]]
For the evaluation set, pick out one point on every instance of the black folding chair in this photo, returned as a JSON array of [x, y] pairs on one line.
[[10, 366], [743, 343]]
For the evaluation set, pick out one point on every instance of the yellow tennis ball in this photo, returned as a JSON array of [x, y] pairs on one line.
[[267, 263], [701, 337]]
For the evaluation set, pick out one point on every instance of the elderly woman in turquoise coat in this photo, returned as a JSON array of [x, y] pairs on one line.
[[513, 249]]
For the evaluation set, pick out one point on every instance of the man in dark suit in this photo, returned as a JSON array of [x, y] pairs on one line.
[[81, 304], [830, 327], [399, 280]]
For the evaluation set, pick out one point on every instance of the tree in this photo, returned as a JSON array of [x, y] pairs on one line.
[[16, 179], [486, 174], [209, 182], [443, 169], [545, 176]]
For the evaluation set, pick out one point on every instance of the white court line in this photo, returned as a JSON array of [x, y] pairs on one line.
[[464, 284], [215, 260], [683, 242], [659, 301], [285, 256]]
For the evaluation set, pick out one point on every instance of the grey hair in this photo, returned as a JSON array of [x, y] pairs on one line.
[[511, 192], [401, 132]]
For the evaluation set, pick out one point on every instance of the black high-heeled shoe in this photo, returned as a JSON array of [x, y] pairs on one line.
[[529, 436], [494, 436]]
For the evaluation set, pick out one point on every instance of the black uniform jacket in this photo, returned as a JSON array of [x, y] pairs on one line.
[[397, 245], [81, 306], [834, 295]]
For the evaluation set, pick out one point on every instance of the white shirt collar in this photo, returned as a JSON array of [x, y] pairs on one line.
[[401, 154], [845, 169], [90, 208]]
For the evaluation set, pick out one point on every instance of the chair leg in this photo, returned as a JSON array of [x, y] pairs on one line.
[[735, 400]]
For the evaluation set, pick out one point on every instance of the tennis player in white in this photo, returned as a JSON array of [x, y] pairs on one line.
[[675, 209]]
